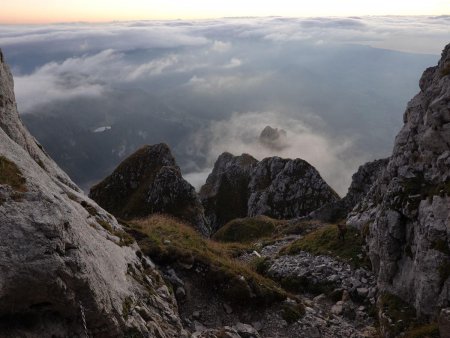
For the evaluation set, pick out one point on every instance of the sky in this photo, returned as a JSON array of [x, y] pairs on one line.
[[53, 11], [92, 93]]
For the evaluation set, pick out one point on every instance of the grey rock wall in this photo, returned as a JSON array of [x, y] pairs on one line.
[[61, 256], [407, 211]]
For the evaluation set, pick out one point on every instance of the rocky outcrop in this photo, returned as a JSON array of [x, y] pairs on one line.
[[284, 189], [362, 181], [67, 268], [225, 193], [240, 186], [325, 272], [273, 138], [147, 182], [406, 212]]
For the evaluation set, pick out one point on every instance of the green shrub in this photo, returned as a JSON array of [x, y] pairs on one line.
[[292, 312], [297, 284], [441, 245], [11, 175], [127, 307], [89, 208], [246, 229], [444, 271], [446, 70], [260, 264]]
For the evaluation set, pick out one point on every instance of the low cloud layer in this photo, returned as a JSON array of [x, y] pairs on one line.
[[338, 86], [240, 134]]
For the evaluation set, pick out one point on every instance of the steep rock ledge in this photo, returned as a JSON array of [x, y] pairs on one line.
[[406, 213]]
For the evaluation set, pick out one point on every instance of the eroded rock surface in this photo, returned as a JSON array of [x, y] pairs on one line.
[[284, 189], [225, 193], [62, 257], [149, 181], [327, 272], [407, 211], [240, 186]]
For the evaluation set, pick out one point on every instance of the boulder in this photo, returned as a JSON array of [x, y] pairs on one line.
[[285, 189]]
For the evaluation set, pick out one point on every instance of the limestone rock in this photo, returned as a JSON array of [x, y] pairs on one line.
[[147, 182], [407, 211], [240, 186], [284, 189], [61, 256], [225, 193]]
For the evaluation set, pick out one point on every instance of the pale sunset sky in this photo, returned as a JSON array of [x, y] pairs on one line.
[[51, 11]]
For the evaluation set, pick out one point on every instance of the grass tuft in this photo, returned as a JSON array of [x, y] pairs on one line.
[[424, 331], [11, 175], [325, 241]]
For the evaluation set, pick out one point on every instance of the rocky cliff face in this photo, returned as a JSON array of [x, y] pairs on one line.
[[285, 189], [240, 186], [407, 211], [362, 181], [67, 267], [225, 192], [147, 182]]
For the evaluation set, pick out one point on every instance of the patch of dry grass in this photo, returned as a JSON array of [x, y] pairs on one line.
[[167, 241], [325, 241]]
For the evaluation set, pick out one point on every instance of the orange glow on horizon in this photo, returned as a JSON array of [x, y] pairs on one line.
[[54, 11]]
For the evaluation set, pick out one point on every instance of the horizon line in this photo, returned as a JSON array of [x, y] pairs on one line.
[[352, 16]]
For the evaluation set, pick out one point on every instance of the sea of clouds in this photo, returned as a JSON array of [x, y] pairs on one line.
[[338, 86]]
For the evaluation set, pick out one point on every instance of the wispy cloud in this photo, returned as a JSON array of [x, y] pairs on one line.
[[240, 134]]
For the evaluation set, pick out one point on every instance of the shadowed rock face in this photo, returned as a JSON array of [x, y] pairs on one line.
[[362, 181], [60, 254], [225, 192], [240, 186], [273, 138], [147, 182], [407, 211]]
